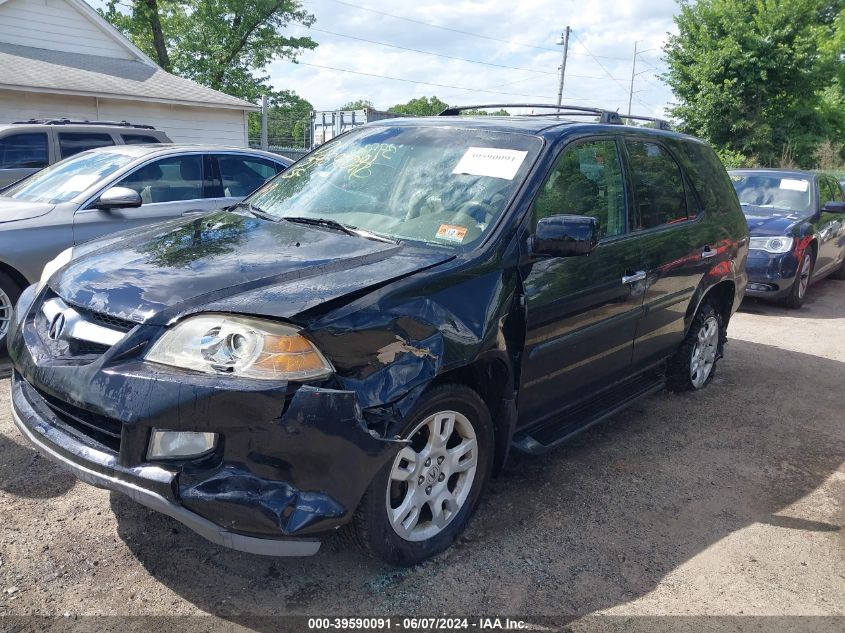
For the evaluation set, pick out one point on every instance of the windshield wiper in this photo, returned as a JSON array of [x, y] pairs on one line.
[[339, 226], [254, 210]]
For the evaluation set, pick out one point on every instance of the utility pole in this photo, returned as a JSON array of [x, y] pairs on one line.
[[564, 40], [633, 74], [265, 106]]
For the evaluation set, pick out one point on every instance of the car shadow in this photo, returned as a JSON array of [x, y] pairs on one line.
[[24, 473], [823, 302], [595, 524]]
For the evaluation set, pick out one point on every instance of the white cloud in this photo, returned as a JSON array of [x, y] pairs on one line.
[[602, 43]]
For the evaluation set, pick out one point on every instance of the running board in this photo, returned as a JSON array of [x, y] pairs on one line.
[[551, 433]]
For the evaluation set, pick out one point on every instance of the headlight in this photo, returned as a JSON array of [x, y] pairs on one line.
[[772, 244], [53, 265], [180, 444], [240, 346]]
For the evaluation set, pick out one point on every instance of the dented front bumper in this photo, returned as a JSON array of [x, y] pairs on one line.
[[291, 462]]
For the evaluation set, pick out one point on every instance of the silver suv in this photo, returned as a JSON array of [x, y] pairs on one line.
[[27, 146], [109, 189]]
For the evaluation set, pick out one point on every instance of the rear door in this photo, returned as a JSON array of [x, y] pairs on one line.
[[169, 187], [581, 311], [667, 219], [241, 174]]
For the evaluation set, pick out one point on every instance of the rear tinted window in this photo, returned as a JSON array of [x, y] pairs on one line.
[[138, 139], [24, 151], [244, 174], [658, 185], [71, 143]]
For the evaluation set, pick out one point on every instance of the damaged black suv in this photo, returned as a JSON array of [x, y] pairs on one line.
[[361, 342]]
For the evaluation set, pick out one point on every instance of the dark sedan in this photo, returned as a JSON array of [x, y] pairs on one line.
[[797, 225]]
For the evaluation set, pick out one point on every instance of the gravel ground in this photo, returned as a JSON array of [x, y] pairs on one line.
[[727, 502]]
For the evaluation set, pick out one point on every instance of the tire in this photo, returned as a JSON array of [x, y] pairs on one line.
[[839, 273], [9, 293], [798, 293], [694, 364], [424, 485]]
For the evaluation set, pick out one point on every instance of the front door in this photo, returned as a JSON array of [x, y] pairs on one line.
[[169, 187], [582, 311]]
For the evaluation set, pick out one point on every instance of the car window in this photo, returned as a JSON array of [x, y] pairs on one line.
[[138, 139], [66, 179], [837, 191], [71, 143], [759, 191], [658, 185], [167, 179], [241, 175], [24, 151], [441, 185], [586, 180]]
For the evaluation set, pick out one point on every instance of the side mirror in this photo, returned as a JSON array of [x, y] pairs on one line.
[[834, 207], [118, 198], [565, 236]]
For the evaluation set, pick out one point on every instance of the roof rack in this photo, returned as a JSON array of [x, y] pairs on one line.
[[605, 116], [659, 124], [83, 122]]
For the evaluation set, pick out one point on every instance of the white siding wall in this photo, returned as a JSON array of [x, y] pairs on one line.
[[54, 25], [182, 124]]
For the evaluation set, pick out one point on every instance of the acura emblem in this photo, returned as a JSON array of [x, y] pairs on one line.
[[57, 326]]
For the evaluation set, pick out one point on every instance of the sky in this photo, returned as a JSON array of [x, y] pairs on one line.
[[521, 35]]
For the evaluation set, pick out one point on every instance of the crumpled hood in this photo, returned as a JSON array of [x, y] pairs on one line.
[[770, 225], [12, 210], [231, 263]]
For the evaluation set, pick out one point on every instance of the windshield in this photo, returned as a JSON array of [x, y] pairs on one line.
[[68, 178], [772, 192], [441, 186]]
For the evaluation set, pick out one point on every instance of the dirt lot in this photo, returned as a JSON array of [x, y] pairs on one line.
[[727, 502]]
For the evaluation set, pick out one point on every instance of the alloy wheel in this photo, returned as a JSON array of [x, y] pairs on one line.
[[804, 279], [431, 477], [5, 313], [704, 352]]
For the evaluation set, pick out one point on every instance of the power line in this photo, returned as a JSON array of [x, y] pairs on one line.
[[437, 26], [607, 72], [416, 50], [424, 83], [462, 59]]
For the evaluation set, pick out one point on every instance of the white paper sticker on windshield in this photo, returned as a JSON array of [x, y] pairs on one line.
[[490, 161], [794, 185]]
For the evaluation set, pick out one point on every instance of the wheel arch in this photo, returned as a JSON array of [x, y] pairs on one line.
[[722, 294], [492, 378], [14, 274]]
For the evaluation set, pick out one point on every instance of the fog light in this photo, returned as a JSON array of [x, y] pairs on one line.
[[180, 444]]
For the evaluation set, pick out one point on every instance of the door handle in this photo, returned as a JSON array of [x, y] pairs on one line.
[[193, 212], [708, 253], [633, 278]]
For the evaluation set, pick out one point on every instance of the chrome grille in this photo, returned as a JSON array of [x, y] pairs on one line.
[[67, 323]]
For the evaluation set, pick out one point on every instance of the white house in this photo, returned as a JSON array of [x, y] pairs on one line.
[[60, 58]]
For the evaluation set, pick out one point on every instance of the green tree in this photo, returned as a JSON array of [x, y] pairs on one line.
[[748, 75], [222, 44], [358, 104], [421, 106], [288, 118]]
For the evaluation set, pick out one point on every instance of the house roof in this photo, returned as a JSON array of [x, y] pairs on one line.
[[58, 72]]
